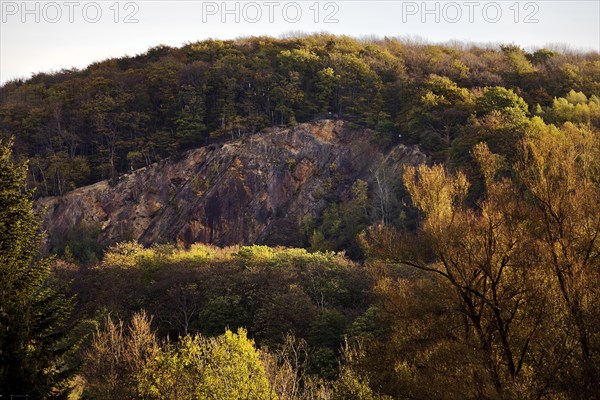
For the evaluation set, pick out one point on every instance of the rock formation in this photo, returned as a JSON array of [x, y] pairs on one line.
[[255, 189]]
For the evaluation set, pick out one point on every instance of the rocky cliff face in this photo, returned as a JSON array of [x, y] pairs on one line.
[[253, 190]]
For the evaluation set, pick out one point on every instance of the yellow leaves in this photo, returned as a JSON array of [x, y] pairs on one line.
[[538, 127], [258, 255], [117, 354], [225, 367], [574, 97], [488, 162], [123, 255], [351, 386], [327, 72], [509, 261], [435, 193], [461, 69], [430, 99], [304, 55], [575, 107], [560, 165], [445, 91]]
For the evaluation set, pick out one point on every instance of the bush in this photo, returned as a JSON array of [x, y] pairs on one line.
[[225, 367]]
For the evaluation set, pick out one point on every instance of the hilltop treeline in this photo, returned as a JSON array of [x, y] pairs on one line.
[[81, 126]]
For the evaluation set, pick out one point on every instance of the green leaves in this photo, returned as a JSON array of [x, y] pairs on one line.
[[224, 367], [34, 336], [501, 100], [125, 113]]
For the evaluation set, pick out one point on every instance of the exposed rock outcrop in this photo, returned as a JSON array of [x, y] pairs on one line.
[[252, 190]]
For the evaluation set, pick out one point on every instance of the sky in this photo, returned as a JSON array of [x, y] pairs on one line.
[[46, 36]]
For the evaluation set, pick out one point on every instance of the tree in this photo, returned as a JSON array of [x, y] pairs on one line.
[[575, 107], [117, 356], [487, 259], [503, 100], [441, 109], [358, 88], [501, 123], [541, 56], [35, 337], [497, 301], [517, 60], [351, 384], [561, 171], [190, 123], [225, 367], [287, 371], [168, 100]]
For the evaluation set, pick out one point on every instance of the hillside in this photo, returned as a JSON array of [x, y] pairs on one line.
[[309, 218], [256, 189], [79, 127]]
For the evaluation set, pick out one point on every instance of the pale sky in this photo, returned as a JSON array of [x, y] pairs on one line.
[[45, 36]]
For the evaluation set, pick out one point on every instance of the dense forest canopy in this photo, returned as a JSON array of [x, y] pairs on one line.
[[81, 126], [479, 281]]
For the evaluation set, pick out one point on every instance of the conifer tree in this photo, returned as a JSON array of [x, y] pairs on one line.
[[34, 338]]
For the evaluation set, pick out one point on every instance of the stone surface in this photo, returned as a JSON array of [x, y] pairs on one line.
[[253, 190]]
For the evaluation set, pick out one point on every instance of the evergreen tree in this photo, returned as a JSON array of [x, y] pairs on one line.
[[34, 339]]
